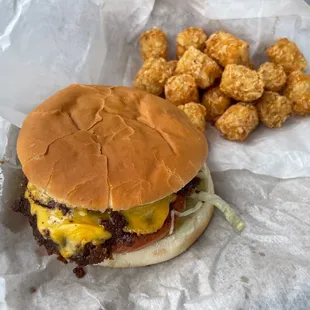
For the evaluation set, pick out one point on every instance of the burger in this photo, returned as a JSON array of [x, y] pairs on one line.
[[114, 176]]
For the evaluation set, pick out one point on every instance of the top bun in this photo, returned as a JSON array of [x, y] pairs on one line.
[[100, 147]]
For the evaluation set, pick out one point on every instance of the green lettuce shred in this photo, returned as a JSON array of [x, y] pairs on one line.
[[229, 213]]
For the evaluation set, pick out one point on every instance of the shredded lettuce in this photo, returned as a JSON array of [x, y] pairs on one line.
[[172, 212], [224, 207], [189, 211], [205, 197]]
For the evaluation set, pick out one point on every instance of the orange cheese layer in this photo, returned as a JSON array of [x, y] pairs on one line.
[[78, 227]]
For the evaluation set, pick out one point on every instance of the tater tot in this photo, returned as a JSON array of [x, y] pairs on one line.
[[181, 89], [153, 44], [295, 77], [298, 91], [273, 76], [286, 53], [238, 121], [152, 76], [216, 103], [196, 113], [191, 36], [227, 49], [273, 109], [241, 83], [203, 68], [172, 66]]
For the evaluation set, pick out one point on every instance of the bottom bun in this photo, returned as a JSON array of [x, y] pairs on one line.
[[187, 230]]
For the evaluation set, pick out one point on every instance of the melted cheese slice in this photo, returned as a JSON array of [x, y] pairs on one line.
[[71, 231], [37, 194], [148, 218], [78, 227]]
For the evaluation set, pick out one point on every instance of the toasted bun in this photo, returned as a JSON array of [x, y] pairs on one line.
[[187, 231], [99, 147]]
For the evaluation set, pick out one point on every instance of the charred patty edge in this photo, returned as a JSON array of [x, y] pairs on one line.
[[90, 254]]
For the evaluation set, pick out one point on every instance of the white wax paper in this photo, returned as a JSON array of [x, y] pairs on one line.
[[47, 45]]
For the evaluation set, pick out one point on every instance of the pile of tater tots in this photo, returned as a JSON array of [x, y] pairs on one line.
[[213, 80]]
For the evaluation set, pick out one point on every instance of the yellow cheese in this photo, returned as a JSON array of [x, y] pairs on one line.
[[71, 231], [38, 195], [149, 218], [78, 227]]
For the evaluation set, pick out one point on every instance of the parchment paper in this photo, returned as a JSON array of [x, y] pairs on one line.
[[47, 45]]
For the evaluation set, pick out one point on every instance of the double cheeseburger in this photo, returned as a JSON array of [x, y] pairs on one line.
[[113, 177]]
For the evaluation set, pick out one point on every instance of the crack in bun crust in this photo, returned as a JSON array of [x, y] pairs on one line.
[[100, 147]]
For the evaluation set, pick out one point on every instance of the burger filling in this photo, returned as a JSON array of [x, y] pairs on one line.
[[89, 237]]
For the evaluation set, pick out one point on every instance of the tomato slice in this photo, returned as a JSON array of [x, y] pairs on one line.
[[179, 203]]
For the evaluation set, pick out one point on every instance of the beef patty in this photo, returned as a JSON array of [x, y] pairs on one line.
[[120, 240]]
